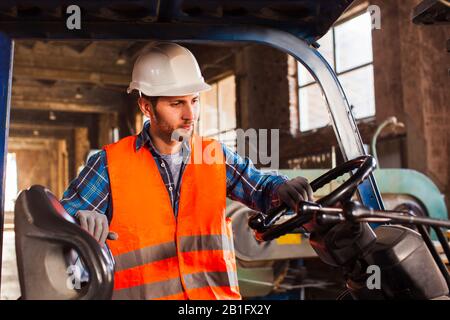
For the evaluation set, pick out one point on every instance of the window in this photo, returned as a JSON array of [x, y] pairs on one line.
[[114, 134], [348, 49], [218, 112], [11, 182]]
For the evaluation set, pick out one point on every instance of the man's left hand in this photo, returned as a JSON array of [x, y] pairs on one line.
[[294, 191]]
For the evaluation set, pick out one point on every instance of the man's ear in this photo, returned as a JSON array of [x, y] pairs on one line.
[[145, 106]]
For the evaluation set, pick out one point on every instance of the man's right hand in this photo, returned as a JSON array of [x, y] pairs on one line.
[[95, 223]]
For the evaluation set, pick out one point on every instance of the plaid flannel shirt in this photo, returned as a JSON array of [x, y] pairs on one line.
[[246, 184]]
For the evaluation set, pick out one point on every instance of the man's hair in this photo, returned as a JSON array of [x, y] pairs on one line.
[[153, 100]]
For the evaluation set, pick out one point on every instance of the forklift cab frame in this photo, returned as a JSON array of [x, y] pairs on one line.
[[297, 39]]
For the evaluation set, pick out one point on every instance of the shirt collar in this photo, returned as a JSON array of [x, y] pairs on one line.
[[143, 138]]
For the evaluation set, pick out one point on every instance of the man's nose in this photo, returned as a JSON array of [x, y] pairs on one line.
[[189, 111]]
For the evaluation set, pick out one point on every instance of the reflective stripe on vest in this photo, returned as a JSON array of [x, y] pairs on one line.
[[157, 290], [157, 255], [168, 250]]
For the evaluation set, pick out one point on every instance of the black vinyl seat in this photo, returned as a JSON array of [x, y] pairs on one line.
[[45, 235]]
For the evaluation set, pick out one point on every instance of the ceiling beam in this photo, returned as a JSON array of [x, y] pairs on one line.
[[30, 126], [42, 126], [68, 119], [62, 106], [52, 133], [80, 76], [54, 96], [32, 143]]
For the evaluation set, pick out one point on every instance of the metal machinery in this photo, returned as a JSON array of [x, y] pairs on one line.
[[340, 233], [290, 26], [275, 268]]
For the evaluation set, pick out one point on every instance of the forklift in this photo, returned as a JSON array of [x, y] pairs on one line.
[[46, 235]]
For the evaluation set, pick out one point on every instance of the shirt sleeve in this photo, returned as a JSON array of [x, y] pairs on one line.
[[252, 187], [91, 189]]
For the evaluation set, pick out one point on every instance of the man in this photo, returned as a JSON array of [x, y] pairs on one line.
[[164, 191]]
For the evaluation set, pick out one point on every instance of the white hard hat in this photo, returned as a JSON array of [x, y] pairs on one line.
[[167, 69]]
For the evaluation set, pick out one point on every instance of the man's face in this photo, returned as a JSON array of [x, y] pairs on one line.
[[172, 115]]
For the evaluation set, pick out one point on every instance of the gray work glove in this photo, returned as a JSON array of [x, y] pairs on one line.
[[294, 191], [96, 224]]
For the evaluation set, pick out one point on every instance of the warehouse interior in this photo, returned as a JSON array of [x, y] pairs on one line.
[[69, 100]]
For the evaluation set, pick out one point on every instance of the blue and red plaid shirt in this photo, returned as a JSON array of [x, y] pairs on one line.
[[246, 184]]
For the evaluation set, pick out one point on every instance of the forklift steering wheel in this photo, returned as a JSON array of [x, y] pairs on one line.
[[364, 165], [264, 223]]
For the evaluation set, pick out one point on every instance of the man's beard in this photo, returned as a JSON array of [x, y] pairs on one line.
[[170, 133]]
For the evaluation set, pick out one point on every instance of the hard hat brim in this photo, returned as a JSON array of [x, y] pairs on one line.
[[169, 91]]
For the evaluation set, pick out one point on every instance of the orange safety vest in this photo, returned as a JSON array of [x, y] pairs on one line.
[[158, 255]]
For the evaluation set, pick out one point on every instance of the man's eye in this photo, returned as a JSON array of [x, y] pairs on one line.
[[175, 104]]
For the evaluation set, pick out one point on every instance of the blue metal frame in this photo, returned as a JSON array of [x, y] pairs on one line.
[[6, 63], [306, 19]]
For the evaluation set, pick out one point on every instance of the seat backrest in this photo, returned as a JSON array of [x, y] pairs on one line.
[[45, 234]]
